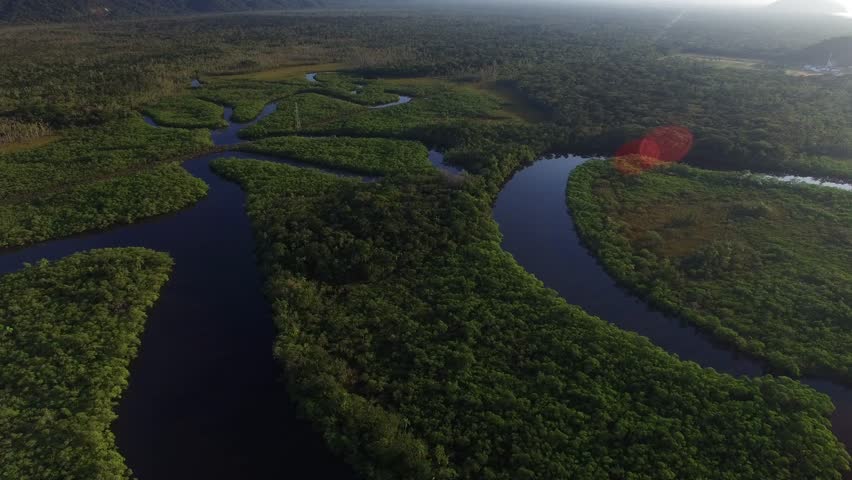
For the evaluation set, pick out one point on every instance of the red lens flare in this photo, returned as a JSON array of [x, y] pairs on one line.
[[661, 146]]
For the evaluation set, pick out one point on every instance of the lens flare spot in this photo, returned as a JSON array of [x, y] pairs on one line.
[[663, 145]]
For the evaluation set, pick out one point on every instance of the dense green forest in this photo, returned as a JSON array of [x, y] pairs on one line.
[[763, 265], [23, 11], [372, 156], [187, 112], [68, 331], [409, 338], [98, 205], [572, 62], [422, 350], [92, 178]]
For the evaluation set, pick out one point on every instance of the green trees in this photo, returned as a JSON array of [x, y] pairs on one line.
[[422, 350], [247, 97], [372, 156], [737, 116], [186, 112], [761, 264], [100, 204], [314, 111], [68, 331], [95, 178]]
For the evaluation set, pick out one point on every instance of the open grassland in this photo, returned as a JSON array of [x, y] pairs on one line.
[[513, 103], [28, 144], [717, 61], [762, 265], [288, 72], [68, 331]]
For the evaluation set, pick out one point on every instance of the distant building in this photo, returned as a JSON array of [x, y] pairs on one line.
[[830, 67]]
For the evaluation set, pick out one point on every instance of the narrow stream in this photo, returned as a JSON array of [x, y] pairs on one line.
[[205, 398], [538, 230], [403, 99]]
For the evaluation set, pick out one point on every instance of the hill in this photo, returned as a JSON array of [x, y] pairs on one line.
[[839, 49], [25, 11], [816, 7]]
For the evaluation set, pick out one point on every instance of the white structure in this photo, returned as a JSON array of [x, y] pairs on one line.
[[829, 68]]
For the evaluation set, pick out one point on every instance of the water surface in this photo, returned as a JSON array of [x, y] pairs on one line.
[[539, 232], [205, 400]]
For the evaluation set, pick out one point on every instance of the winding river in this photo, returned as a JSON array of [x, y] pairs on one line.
[[538, 230], [205, 400]]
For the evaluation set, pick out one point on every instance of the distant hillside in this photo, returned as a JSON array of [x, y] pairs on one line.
[[14, 11], [840, 50], [816, 7]]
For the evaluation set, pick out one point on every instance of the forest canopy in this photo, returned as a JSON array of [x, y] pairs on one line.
[[763, 265], [68, 331], [422, 350]]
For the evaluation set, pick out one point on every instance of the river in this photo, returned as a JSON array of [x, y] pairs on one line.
[[539, 232], [205, 399]]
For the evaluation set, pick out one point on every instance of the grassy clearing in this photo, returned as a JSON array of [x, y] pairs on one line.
[[371, 156], [68, 331], [28, 144], [723, 62], [762, 265], [512, 103], [288, 72]]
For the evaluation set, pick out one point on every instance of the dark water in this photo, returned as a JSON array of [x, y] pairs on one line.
[[539, 231], [436, 158], [205, 400], [312, 77], [229, 134]]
